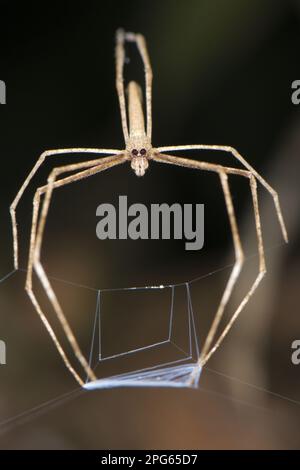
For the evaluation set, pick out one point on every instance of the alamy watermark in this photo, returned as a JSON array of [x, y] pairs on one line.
[[295, 357], [2, 352], [139, 222], [295, 97], [2, 92]]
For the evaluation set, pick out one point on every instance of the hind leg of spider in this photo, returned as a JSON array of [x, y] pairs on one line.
[[121, 38], [35, 247]]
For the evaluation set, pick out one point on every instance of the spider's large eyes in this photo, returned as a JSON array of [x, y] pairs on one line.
[[143, 151], [135, 152]]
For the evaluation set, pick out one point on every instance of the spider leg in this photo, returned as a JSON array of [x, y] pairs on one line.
[[120, 59], [121, 38], [42, 190], [207, 350], [40, 161], [238, 156], [261, 273], [239, 260], [142, 47], [35, 248]]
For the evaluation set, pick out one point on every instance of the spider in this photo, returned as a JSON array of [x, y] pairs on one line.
[[139, 152]]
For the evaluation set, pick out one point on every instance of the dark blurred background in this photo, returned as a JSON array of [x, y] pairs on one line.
[[222, 75]]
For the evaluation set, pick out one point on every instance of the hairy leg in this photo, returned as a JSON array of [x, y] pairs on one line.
[[35, 249], [239, 259], [207, 351], [121, 38], [238, 156], [120, 60], [40, 161], [261, 272]]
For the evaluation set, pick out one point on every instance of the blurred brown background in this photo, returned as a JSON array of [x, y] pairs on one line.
[[222, 75]]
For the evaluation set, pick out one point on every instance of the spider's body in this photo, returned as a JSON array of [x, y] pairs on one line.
[[138, 143], [138, 151]]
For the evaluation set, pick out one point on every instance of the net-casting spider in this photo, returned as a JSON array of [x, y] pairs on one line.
[[138, 152]]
